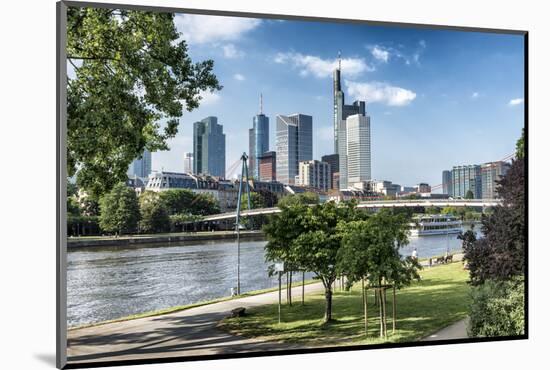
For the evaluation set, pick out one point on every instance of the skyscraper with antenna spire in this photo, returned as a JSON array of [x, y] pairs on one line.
[[354, 160], [258, 140]]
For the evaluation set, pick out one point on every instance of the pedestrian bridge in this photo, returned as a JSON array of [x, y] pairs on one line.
[[377, 204]]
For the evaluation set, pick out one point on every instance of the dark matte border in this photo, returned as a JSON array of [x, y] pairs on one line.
[[61, 273]]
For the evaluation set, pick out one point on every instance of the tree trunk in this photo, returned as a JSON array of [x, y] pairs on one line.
[[303, 285], [364, 304], [383, 298], [290, 290], [394, 310], [379, 295], [328, 303]]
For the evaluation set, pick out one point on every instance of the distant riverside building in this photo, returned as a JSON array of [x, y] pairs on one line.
[[267, 165], [466, 178], [294, 144], [351, 126], [384, 187], [447, 182], [423, 188], [208, 147], [315, 174], [141, 167], [258, 141], [223, 191], [334, 167], [188, 162], [490, 174]]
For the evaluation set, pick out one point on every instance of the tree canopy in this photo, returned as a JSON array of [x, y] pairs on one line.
[[132, 78], [119, 210]]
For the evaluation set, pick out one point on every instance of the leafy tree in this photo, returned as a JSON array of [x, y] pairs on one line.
[[520, 146], [370, 251], [433, 210], [132, 78], [119, 210], [305, 238], [184, 201], [500, 254], [469, 195], [301, 198], [154, 217], [73, 208]]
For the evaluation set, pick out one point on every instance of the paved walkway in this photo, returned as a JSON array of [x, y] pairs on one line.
[[184, 333], [454, 331]]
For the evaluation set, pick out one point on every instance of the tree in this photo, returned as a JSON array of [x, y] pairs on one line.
[[433, 210], [370, 251], [185, 202], [154, 217], [302, 198], [305, 238], [469, 195], [500, 253], [119, 210], [132, 78], [520, 146]]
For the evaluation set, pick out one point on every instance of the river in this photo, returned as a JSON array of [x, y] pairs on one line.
[[109, 283]]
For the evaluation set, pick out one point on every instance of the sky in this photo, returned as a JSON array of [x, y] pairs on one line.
[[436, 98]]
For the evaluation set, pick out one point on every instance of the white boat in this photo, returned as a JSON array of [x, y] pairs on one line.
[[435, 225]]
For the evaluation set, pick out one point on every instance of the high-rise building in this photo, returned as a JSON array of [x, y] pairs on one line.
[[447, 182], [466, 178], [358, 149], [188, 162], [490, 174], [258, 141], [334, 163], [267, 167], [355, 115], [294, 144], [314, 173], [141, 167], [208, 147], [423, 188]]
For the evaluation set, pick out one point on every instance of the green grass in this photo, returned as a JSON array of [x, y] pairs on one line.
[[188, 306], [438, 300]]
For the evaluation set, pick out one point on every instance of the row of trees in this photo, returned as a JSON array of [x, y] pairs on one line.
[[496, 260], [121, 211], [332, 240]]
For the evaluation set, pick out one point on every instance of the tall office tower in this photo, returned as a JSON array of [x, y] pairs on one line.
[[188, 162], [208, 147], [447, 182], [267, 164], [357, 149], [140, 167], [490, 174], [334, 163], [314, 173], [294, 144], [258, 141], [341, 112], [466, 178]]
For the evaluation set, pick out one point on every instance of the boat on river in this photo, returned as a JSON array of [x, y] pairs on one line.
[[435, 225]]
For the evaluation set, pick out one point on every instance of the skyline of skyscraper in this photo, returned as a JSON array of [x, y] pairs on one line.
[[208, 147], [140, 167], [358, 151], [258, 140], [188, 162], [294, 144]]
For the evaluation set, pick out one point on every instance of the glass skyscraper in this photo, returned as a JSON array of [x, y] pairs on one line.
[[294, 144], [354, 115], [141, 167], [208, 147], [447, 182], [490, 174], [466, 178], [258, 141]]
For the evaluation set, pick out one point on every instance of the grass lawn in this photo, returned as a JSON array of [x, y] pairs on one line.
[[438, 300]]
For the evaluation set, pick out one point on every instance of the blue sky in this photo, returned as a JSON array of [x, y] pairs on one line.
[[436, 98]]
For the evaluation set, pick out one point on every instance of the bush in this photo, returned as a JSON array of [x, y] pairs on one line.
[[497, 309]]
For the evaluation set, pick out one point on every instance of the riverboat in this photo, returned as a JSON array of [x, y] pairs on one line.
[[435, 225]]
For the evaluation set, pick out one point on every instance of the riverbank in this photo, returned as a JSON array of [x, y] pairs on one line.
[[130, 240]]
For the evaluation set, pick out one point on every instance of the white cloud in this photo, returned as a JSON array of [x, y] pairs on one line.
[[475, 95], [239, 77], [209, 97], [380, 53], [320, 68], [201, 29], [516, 101], [380, 92], [231, 52]]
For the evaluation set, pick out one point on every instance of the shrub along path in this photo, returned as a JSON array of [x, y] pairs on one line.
[[440, 299]]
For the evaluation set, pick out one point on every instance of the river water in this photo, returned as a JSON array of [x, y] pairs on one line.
[[109, 283]]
